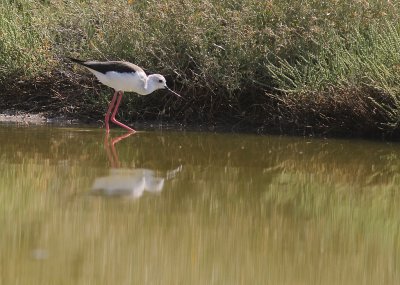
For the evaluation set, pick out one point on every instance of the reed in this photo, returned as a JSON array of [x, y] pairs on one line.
[[252, 63]]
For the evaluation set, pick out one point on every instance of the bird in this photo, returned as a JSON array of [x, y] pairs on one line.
[[123, 76]]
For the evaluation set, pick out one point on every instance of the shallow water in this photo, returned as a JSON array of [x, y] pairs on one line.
[[77, 207]]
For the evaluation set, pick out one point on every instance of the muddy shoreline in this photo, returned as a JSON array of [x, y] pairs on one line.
[[39, 119], [80, 100], [19, 117], [22, 117]]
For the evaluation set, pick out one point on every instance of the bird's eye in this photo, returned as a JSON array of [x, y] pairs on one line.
[[160, 80]]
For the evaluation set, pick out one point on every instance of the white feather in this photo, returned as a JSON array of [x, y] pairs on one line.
[[129, 82]]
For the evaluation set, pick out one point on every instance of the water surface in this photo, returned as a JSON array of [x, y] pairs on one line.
[[78, 207]]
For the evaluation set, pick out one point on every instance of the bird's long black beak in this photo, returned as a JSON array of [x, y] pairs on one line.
[[170, 90]]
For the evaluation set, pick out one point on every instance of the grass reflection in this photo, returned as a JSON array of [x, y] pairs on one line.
[[242, 210]]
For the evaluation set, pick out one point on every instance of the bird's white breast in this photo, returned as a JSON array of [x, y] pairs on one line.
[[129, 82]]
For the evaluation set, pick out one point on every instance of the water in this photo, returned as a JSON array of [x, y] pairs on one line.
[[77, 207]]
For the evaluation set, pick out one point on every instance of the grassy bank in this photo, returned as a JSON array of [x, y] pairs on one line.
[[327, 67]]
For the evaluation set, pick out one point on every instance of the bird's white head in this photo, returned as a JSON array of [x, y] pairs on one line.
[[157, 81]]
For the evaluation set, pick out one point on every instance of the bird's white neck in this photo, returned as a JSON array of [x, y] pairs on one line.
[[149, 85]]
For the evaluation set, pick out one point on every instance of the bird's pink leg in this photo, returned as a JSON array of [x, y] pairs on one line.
[[115, 112], [110, 107]]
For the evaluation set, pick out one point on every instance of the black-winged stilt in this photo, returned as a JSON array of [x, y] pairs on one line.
[[123, 77]]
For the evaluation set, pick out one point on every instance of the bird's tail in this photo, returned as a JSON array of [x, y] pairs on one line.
[[78, 61]]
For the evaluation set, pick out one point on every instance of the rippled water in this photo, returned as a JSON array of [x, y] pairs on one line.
[[78, 207]]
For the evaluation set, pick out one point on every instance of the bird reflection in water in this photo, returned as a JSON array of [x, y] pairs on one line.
[[126, 182]]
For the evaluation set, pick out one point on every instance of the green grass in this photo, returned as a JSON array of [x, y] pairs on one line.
[[330, 67]]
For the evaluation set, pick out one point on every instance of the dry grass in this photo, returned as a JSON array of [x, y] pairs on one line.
[[258, 63]]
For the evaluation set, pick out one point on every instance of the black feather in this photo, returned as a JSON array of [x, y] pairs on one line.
[[107, 66]]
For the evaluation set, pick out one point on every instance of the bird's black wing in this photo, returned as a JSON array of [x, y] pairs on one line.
[[108, 66]]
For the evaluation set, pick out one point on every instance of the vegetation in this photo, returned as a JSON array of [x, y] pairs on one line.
[[329, 67]]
